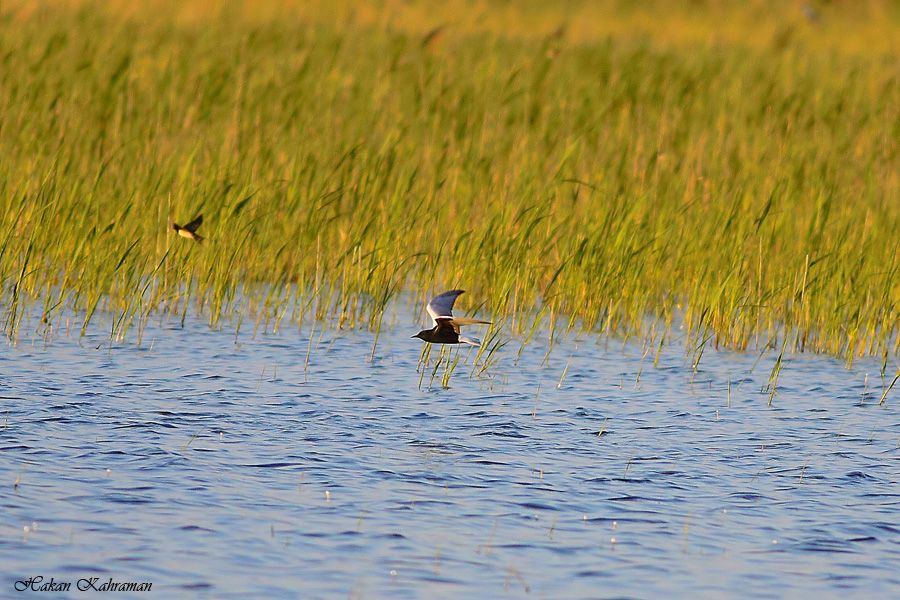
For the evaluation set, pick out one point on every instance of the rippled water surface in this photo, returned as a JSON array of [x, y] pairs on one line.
[[231, 470]]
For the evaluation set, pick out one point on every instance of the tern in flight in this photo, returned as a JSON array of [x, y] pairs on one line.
[[190, 230], [446, 326]]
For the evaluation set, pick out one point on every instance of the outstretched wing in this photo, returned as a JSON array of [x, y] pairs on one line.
[[467, 321], [193, 225], [441, 306], [453, 323], [444, 325]]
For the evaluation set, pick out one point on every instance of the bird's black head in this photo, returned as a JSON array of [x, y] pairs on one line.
[[421, 334]]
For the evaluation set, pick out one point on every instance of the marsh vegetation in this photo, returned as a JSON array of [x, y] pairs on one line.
[[577, 167]]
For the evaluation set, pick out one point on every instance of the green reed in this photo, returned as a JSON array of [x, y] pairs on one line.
[[743, 187]]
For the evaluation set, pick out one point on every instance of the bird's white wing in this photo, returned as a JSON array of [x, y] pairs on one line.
[[442, 305]]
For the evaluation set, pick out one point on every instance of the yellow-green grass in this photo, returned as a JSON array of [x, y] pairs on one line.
[[625, 167]]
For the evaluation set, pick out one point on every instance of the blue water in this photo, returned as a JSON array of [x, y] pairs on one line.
[[216, 469]]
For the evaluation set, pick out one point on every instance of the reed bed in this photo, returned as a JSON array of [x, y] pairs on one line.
[[724, 172]]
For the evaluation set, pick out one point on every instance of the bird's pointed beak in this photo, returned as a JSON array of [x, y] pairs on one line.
[[413, 336]]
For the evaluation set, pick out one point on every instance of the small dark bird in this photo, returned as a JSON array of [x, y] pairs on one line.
[[430, 39], [190, 230], [446, 326]]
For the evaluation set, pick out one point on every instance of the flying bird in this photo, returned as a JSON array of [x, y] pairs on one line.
[[446, 326], [190, 230]]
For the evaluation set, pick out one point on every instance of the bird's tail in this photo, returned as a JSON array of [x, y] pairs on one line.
[[470, 341]]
